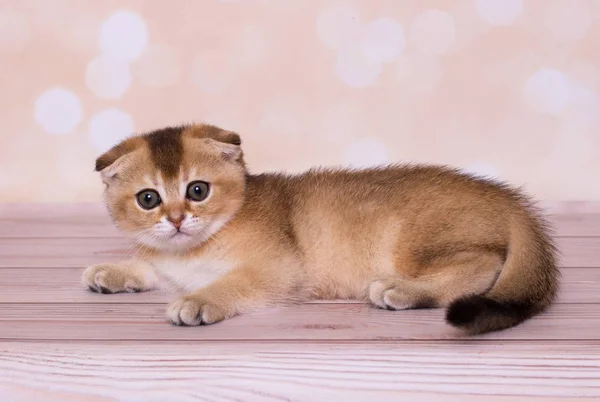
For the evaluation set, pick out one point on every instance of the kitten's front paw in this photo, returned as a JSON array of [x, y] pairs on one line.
[[194, 310], [110, 278]]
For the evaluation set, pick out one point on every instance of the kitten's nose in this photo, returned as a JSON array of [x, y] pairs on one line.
[[176, 220]]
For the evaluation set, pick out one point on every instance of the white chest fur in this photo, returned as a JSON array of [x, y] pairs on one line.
[[190, 274]]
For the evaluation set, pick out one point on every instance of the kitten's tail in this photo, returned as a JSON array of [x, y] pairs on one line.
[[525, 287]]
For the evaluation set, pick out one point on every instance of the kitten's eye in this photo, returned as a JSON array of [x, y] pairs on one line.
[[197, 191], [148, 199]]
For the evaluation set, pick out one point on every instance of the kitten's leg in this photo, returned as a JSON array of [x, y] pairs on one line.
[[439, 284], [127, 276], [398, 294], [239, 291]]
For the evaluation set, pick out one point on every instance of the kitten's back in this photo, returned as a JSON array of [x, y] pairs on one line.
[[429, 224]]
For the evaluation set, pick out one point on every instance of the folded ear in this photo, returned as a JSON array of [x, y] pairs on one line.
[[114, 160], [227, 143], [217, 134]]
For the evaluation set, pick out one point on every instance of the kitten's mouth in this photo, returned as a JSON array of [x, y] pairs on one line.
[[180, 235]]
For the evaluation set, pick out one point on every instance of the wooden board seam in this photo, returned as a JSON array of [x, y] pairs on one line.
[[379, 341]]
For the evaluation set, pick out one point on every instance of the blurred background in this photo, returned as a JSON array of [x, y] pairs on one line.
[[504, 88]]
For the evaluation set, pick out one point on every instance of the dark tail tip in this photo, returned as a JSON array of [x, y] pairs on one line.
[[464, 311], [478, 314]]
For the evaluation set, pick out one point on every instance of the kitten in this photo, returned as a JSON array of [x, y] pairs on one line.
[[399, 237]]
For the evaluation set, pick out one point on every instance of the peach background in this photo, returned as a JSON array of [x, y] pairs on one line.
[[507, 88]]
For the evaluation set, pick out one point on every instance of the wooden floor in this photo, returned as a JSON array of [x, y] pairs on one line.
[[59, 342]]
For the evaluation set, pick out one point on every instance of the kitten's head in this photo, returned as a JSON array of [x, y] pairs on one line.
[[172, 189]]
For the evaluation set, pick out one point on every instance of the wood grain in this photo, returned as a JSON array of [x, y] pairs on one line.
[[56, 220], [62, 285], [413, 371], [342, 322], [92, 220], [61, 252], [81, 252]]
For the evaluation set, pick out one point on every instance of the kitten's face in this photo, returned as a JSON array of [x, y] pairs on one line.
[[175, 189]]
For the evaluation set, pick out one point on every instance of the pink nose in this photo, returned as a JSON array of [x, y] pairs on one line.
[[176, 221]]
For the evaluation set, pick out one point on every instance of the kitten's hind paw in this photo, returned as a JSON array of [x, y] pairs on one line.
[[395, 294]]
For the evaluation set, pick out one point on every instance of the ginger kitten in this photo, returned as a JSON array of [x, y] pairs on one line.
[[399, 237]]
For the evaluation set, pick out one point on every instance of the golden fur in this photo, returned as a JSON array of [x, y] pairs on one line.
[[398, 237]]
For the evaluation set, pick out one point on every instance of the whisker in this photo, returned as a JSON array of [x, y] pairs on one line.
[[139, 237]]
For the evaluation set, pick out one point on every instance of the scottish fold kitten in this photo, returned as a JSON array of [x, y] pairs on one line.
[[398, 237]]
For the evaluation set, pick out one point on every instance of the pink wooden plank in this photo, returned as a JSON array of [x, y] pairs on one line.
[[280, 371], [80, 252], [340, 322], [62, 285]]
